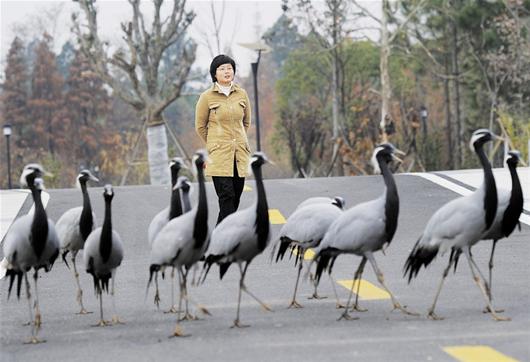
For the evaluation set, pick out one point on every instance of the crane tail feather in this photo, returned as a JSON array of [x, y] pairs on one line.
[[419, 256], [223, 268], [284, 245]]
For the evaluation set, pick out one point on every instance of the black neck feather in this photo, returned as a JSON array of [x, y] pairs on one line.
[[39, 226], [174, 176], [515, 206], [105, 244], [175, 206], [200, 228], [490, 195], [391, 202], [86, 221], [262, 210]]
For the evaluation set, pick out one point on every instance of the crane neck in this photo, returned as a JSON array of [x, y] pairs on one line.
[[174, 176], [175, 206], [515, 205], [39, 226], [262, 210], [105, 245], [391, 201], [490, 188], [200, 229], [86, 221], [186, 203]]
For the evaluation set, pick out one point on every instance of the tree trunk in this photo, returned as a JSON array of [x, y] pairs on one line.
[[461, 148], [448, 127], [157, 155], [386, 92], [335, 93]]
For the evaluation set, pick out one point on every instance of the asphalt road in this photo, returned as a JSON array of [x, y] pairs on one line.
[[308, 334]]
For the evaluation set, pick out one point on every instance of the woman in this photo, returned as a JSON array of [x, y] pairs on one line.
[[222, 119]]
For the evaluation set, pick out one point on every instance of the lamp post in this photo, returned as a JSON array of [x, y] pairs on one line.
[[7, 134], [423, 116], [260, 47]]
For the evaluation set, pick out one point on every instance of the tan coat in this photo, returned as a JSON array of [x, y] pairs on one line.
[[222, 122]]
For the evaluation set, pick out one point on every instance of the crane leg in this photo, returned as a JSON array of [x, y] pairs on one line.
[[357, 278], [381, 280], [173, 308], [79, 297], [115, 318], [483, 289], [346, 315], [294, 303]]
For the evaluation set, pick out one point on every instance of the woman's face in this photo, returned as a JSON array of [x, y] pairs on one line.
[[225, 74]]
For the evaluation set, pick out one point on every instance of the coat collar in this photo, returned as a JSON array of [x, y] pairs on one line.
[[235, 88]]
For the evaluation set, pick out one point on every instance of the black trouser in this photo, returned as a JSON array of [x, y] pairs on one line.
[[229, 190]]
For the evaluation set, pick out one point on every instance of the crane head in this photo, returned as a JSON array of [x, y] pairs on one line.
[[480, 137], [86, 175], [513, 157], [384, 153], [30, 172]]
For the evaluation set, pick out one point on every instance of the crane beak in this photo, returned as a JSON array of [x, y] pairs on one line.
[[497, 137], [399, 152], [397, 158], [94, 178]]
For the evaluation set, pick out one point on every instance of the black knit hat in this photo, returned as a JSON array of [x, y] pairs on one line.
[[218, 61]]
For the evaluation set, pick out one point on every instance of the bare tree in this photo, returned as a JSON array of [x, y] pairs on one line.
[[331, 27], [134, 73], [389, 10], [210, 34]]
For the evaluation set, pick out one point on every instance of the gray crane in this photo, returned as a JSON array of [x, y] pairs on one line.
[[74, 226], [163, 217], [102, 256], [510, 207], [457, 226], [183, 242], [241, 236], [174, 209], [305, 229], [364, 229], [31, 242]]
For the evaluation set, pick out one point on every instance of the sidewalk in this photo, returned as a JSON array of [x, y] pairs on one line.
[[11, 201]]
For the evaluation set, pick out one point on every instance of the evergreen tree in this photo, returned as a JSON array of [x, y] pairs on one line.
[[283, 37], [86, 106], [65, 59], [46, 101], [14, 91], [13, 100]]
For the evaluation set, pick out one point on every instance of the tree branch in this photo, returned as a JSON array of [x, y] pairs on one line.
[[406, 20], [366, 12], [92, 48]]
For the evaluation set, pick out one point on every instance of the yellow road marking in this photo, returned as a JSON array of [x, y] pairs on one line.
[[368, 291], [276, 217], [308, 255], [477, 354], [247, 188]]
